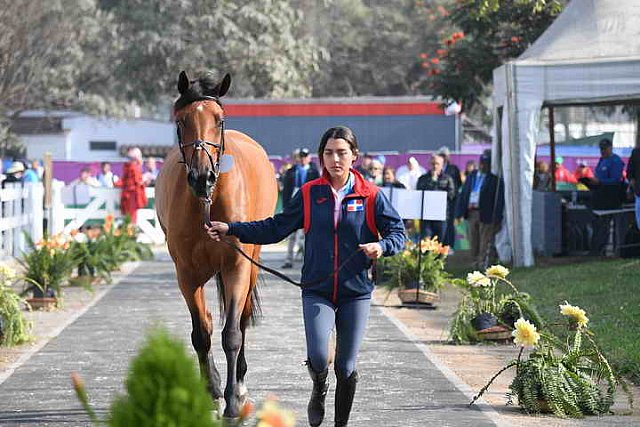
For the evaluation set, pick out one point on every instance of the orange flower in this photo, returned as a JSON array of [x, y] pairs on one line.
[[247, 410], [73, 232]]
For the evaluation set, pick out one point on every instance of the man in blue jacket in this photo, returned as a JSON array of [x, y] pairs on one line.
[[481, 203]]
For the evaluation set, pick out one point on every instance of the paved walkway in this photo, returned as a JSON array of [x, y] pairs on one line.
[[399, 385]]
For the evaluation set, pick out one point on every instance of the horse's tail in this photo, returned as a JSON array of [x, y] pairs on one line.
[[252, 309]]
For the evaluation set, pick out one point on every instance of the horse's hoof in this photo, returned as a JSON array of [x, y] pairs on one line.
[[242, 394]]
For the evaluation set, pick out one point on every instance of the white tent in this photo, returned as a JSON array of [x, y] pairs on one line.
[[589, 55]]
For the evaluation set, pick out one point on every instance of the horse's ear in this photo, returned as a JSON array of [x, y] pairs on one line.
[[183, 82], [223, 86]]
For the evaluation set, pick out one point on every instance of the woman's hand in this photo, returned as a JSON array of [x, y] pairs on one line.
[[372, 250], [217, 230]]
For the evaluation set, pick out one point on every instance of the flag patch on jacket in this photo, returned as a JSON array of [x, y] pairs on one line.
[[355, 205]]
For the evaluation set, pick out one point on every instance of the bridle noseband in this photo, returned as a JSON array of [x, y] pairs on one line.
[[201, 144]]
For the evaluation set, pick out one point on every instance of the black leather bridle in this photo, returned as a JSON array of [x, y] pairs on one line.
[[202, 144]]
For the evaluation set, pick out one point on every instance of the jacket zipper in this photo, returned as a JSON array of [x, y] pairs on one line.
[[336, 258]]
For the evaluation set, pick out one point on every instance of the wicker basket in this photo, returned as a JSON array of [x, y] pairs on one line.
[[495, 333], [410, 296]]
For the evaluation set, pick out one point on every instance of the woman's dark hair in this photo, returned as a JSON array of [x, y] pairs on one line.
[[338, 132]]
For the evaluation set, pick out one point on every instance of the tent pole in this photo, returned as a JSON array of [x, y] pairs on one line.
[[552, 147]]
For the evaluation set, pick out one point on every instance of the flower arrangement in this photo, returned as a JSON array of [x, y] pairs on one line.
[[14, 328], [564, 378], [47, 264], [489, 299], [421, 263]]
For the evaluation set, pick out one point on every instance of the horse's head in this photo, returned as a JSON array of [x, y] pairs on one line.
[[200, 126]]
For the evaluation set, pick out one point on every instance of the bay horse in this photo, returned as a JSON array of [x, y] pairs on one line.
[[224, 175]]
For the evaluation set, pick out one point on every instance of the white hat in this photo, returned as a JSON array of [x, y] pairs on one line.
[[444, 150], [16, 167]]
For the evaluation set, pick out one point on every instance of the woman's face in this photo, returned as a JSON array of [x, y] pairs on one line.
[[338, 157]]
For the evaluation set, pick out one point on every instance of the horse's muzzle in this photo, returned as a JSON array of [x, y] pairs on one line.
[[201, 183]]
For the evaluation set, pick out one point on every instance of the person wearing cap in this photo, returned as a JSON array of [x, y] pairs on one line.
[[607, 186], [562, 174], [481, 203], [453, 171], [299, 174], [610, 166], [583, 170], [133, 195], [15, 172]]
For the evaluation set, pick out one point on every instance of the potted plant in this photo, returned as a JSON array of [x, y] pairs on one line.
[[47, 265], [417, 272], [489, 307], [565, 378], [14, 328]]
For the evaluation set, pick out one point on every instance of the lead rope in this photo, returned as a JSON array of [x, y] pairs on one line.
[[207, 207]]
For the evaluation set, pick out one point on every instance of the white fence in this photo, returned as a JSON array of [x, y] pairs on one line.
[[22, 210]]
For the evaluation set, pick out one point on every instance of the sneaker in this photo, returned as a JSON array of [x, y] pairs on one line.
[[287, 265]]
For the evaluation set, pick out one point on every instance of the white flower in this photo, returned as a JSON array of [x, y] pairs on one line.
[[497, 271], [477, 279]]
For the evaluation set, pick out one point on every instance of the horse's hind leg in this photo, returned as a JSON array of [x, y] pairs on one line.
[[202, 327], [247, 315]]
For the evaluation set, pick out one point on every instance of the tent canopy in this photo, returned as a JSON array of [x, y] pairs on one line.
[[590, 54]]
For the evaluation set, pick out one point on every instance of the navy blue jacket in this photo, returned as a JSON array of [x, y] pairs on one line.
[[491, 203], [366, 214]]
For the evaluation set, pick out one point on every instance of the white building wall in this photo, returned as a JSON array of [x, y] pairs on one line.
[[83, 130], [38, 145]]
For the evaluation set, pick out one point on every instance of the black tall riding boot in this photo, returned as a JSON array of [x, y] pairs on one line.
[[345, 390], [315, 409]]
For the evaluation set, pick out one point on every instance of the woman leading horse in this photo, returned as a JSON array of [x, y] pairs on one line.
[[222, 174], [341, 213]]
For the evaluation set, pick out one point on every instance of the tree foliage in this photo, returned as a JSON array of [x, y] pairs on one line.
[[481, 36], [260, 43]]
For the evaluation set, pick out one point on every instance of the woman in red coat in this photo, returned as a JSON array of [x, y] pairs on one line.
[[133, 196]]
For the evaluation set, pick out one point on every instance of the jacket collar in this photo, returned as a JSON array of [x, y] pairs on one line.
[[361, 187]]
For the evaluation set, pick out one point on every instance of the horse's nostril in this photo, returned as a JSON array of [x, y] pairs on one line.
[[211, 177]]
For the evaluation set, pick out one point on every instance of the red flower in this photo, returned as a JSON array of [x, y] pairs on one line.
[[441, 52], [424, 55], [426, 65], [515, 39], [435, 60]]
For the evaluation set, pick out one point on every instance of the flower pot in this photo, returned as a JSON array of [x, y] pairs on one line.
[[410, 296], [42, 303], [484, 321]]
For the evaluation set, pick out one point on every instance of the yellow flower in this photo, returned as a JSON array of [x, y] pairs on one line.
[[407, 253], [271, 415], [576, 313], [7, 272], [477, 279], [497, 271], [525, 333]]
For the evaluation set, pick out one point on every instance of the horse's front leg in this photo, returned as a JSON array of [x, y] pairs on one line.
[[202, 327], [236, 286]]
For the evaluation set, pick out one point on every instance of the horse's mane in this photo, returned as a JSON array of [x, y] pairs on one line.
[[203, 86]]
